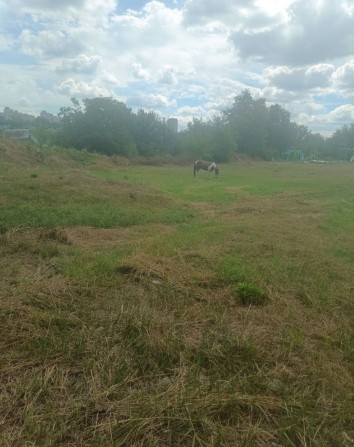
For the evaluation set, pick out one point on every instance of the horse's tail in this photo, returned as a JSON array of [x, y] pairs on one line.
[[195, 168]]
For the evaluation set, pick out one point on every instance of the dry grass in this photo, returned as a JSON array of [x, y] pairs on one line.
[[136, 336]]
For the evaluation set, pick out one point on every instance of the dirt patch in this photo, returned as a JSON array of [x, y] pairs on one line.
[[175, 272], [109, 237], [93, 237], [88, 237], [56, 234]]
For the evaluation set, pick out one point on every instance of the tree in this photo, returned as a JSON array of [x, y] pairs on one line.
[[300, 135], [106, 125], [248, 118], [280, 135], [209, 140], [223, 140], [195, 142], [101, 125], [341, 138], [71, 121], [150, 133]]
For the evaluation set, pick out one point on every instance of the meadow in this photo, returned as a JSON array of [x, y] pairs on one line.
[[140, 306]]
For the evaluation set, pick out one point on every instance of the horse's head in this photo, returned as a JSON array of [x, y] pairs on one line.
[[216, 171]]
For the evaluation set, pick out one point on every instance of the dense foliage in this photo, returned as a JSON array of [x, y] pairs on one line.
[[105, 125], [108, 126]]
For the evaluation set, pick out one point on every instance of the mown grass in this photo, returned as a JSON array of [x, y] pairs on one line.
[[73, 198], [238, 180], [136, 331]]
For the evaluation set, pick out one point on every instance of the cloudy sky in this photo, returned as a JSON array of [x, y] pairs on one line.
[[181, 58]]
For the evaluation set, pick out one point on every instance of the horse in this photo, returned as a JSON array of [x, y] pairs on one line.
[[206, 166]]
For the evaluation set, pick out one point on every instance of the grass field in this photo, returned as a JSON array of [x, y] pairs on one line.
[[142, 307]]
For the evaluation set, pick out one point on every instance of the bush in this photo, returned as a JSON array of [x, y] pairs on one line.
[[251, 295]]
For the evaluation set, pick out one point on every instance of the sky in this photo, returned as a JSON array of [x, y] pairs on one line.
[[181, 59]]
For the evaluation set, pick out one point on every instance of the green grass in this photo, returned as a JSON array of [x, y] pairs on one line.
[[52, 201], [238, 180], [130, 312], [78, 264], [251, 295], [101, 215]]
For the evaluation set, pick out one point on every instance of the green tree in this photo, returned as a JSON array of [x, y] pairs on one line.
[[315, 145], [248, 118], [100, 125], [71, 124], [280, 135], [151, 135], [300, 136], [108, 126], [223, 140], [209, 140], [341, 138]]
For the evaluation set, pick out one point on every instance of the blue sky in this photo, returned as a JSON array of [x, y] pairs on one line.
[[181, 58]]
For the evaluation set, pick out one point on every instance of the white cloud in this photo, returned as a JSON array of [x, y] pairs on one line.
[[323, 123], [93, 12], [140, 73], [314, 32], [300, 79], [181, 60], [167, 75], [200, 12], [342, 114], [49, 44], [153, 26], [27, 91], [109, 79], [24, 102], [82, 89], [343, 77], [80, 64], [140, 99], [44, 5]]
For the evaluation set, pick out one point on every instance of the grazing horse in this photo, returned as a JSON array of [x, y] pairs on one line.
[[206, 166]]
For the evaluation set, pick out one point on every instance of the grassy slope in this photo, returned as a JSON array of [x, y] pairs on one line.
[[121, 318]]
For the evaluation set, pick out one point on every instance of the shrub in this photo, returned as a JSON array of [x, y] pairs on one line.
[[251, 295]]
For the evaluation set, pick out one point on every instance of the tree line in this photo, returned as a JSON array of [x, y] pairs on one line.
[[249, 126]]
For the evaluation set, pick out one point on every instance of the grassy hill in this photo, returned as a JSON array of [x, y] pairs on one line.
[[142, 307]]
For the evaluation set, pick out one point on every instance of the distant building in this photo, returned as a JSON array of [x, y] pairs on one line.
[[172, 123], [21, 135], [10, 114], [49, 117]]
